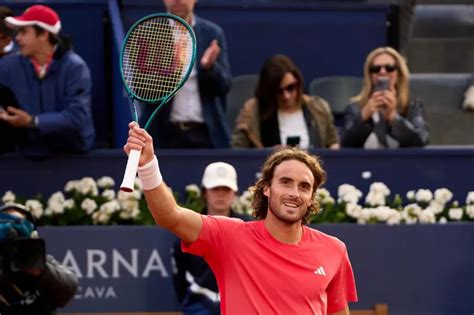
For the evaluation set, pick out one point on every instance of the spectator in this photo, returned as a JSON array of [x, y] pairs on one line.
[[194, 282], [6, 33], [280, 114], [261, 267], [195, 118], [385, 117], [30, 283], [51, 87], [468, 103]]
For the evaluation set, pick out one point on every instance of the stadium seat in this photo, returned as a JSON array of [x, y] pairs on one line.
[[380, 309], [442, 95], [337, 90], [243, 88]]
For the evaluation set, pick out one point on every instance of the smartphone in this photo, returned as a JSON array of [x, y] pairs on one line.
[[382, 84], [293, 140]]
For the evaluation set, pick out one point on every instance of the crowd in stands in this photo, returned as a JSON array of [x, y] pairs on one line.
[[45, 94]]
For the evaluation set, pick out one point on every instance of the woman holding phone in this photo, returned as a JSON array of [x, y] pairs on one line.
[[281, 114], [382, 115]]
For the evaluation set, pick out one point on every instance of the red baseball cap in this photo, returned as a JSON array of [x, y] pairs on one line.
[[39, 15]]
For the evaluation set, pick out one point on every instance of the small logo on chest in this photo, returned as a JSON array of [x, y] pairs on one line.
[[320, 271]]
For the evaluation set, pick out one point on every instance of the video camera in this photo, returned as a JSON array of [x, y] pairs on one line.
[[22, 254], [18, 251]]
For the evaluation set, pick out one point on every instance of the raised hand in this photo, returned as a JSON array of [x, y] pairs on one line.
[[210, 55], [139, 139]]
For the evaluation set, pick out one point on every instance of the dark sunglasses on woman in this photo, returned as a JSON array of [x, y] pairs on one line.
[[388, 67], [289, 88]]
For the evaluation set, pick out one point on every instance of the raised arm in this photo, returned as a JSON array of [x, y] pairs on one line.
[[185, 223]]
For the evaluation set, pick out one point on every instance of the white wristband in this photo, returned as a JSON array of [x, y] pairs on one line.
[[150, 175]]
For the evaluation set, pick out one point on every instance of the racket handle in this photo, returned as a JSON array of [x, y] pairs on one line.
[[130, 171]]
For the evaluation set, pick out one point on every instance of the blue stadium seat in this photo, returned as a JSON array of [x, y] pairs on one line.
[[243, 88]]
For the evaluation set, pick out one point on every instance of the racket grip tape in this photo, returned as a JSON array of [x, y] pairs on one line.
[[130, 171]]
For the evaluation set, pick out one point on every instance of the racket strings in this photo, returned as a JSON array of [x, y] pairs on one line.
[[156, 57]]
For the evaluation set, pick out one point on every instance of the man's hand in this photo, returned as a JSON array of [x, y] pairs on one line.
[[140, 140], [210, 55], [16, 117]]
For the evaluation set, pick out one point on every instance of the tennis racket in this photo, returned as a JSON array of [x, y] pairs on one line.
[[156, 59]]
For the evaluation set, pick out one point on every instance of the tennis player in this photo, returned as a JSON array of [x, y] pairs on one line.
[[274, 265]]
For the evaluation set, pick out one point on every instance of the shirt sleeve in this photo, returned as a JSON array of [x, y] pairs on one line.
[[341, 289], [214, 238]]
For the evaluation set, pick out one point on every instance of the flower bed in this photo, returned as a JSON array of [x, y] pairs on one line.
[[87, 201]]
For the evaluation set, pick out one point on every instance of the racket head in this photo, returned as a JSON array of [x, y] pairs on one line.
[[157, 57]]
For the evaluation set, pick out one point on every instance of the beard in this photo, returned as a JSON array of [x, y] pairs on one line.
[[275, 208]]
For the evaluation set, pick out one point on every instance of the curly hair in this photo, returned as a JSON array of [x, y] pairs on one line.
[[260, 201]]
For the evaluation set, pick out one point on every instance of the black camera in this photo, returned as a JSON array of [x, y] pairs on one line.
[[22, 254]]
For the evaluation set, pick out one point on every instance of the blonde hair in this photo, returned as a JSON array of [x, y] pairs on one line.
[[402, 85]]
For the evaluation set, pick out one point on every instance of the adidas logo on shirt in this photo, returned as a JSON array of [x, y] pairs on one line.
[[320, 271]]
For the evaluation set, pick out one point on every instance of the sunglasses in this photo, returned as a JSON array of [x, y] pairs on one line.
[[289, 88], [388, 67]]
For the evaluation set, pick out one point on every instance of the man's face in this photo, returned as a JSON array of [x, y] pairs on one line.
[[290, 192], [182, 8], [219, 200], [28, 41]]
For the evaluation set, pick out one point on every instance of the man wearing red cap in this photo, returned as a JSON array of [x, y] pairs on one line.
[[51, 88]]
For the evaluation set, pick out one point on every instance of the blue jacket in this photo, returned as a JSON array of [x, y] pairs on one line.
[[213, 87], [61, 100]]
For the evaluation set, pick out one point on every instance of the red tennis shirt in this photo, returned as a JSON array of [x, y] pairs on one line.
[[257, 274]]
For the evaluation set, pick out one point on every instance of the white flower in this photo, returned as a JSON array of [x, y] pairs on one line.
[[100, 217], [35, 207], [110, 207], [8, 197], [106, 182], [134, 195], [442, 220], [88, 205], [348, 193], [351, 197], [87, 185], [69, 203], [455, 214], [436, 206], [109, 194], [470, 198], [380, 188], [353, 210], [57, 197], [56, 203], [411, 195], [129, 205], [344, 189], [324, 196], [427, 216], [395, 217], [423, 195], [470, 211], [443, 195], [375, 198], [71, 186], [125, 215], [193, 188]]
